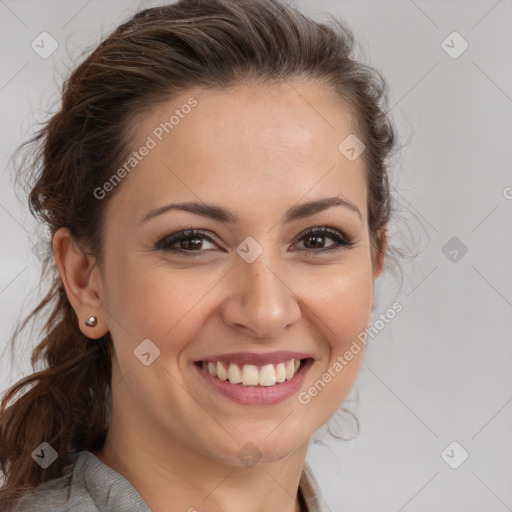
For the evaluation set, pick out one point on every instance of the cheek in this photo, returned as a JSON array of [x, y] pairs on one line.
[[157, 301], [342, 299], [345, 311]]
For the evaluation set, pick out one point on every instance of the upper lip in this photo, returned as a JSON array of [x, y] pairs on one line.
[[255, 358]]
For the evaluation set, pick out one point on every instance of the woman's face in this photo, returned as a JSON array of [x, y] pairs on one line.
[[258, 285]]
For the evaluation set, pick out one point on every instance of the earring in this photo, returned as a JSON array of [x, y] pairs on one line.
[[91, 321]]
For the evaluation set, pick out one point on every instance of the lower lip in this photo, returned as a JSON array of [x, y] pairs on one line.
[[257, 395]]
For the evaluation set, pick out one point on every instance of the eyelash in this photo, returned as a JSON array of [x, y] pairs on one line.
[[166, 242]]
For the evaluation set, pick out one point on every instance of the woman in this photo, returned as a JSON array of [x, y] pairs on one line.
[[216, 189]]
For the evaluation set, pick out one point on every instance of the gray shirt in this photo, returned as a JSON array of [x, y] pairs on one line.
[[89, 485]]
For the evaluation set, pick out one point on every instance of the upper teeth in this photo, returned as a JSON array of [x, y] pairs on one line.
[[251, 375]]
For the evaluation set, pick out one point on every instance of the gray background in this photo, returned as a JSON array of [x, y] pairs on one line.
[[441, 370]]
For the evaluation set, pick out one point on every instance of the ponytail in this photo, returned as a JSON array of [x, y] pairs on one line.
[[63, 405]]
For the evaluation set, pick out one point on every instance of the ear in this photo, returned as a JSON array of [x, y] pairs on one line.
[[82, 281], [378, 257], [378, 263]]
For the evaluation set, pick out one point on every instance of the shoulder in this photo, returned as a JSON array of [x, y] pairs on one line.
[[311, 492], [86, 485], [52, 495]]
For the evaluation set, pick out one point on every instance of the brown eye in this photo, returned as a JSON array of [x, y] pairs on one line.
[[314, 239], [186, 242]]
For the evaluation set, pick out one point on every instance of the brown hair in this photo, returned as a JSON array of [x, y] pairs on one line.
[[158, 53]]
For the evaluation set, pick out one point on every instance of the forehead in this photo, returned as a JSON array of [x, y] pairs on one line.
[[253, 147]]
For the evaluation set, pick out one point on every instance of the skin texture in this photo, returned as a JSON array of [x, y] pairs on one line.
[[257, 151]]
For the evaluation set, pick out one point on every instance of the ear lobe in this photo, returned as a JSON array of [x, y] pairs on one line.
[[80, 277]]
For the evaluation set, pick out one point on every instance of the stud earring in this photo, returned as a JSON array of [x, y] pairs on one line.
[[91, 321]]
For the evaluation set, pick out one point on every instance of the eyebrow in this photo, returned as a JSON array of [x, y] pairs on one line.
[[219, 213]]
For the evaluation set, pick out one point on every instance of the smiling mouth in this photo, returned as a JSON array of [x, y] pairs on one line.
[[253, 375]]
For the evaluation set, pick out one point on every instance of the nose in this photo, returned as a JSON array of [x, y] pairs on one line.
[[260, 302]]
